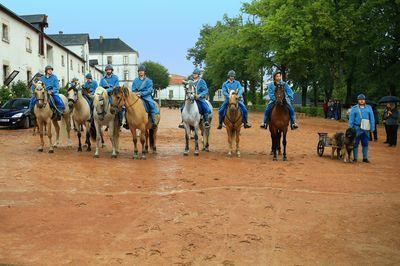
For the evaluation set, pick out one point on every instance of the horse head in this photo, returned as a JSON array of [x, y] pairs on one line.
[[40, 94], [189, 91], [100, 101], [233, 100], [280, 94], [72, 96], [119, 94]]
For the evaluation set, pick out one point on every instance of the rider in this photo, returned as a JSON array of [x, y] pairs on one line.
[[89, 88], [271, 93], [51, 83], [359, 112], [143, 87], [201, 90], [230, 85], [74, 83], [108, 82]]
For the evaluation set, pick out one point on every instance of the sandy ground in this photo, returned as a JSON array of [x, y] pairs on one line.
[[69, 208]]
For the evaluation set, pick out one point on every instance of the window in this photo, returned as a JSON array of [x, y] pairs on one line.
[[28, 45], [79, 69], [126, 75], [71, 65], [125, 60], [171, 94], [62, 61], [219, 93], [5, 34], [62, 82], [109, 59], [83, 69], [28, 75], [6, 70]]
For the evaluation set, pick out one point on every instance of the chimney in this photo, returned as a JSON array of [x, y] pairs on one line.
[[60, 32]]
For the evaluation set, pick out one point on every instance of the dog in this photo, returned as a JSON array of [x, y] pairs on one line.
[[337, 142], [349, 140]]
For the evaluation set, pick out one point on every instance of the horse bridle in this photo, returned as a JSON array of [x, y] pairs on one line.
[[75, 95], [103, 112], [236, 105], [41, 99]]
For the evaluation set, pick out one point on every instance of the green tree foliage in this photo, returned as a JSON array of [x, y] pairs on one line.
[[158, 73]]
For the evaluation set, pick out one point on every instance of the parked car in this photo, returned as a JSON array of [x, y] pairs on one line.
[[16, 113]]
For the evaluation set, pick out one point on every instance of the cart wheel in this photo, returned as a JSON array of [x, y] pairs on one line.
[[320, 148]]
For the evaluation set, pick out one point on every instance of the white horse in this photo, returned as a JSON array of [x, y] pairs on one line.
[[191, 119], [103, 116], [44, 117], [80, 115]]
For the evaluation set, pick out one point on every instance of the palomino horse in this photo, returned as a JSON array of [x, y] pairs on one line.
[[191, 119], [80, 115], [233, 121], [279, 122], [137, 118], [44, 113], [103, 116]]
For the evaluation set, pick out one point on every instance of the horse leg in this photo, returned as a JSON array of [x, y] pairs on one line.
[[206, 138], [111, 131], [155, 140], [51, 150], [228, 130], [237, 143], [187, 136], [134, 138], [87, 128], [284, 145], [146, 146], [143, 141], [57, 129], [67, 120], [41, 129], [196, 141], [272, 144], [79, 141], [99, 139], [279, 143]]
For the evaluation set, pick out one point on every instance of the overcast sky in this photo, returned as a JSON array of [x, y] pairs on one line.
[[160, 30]]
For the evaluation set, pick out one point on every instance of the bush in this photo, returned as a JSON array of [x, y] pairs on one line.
[[5, 94], [20, 90]]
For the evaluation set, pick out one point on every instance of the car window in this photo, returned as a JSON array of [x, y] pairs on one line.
[[16, 104]]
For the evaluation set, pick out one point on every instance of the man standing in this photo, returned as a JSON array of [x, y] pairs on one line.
[[51, 83], [143, 87], [392, 124], [271, 93], [362, 120], [231, 85]]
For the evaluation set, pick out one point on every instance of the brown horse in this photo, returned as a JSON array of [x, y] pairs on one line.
[[233, 121], [279, 122], [137, 118]]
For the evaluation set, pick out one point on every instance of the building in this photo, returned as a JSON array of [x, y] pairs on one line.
[[114, 51], [175, 90], [26, 49]]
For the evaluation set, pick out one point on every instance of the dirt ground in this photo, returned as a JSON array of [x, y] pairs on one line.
[[69, 208]]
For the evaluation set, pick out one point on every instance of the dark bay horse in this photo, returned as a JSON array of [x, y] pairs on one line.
[[279, 122]]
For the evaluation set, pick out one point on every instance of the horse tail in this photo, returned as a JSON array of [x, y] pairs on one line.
[[93, 132], [151, 137]]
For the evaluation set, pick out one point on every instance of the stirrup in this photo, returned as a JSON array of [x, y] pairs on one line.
[[294, 126], [181, 125], [247, 125], [219, 126], [264, 126]]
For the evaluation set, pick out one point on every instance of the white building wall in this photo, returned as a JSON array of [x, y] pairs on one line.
[[173, 92], [119, 65]]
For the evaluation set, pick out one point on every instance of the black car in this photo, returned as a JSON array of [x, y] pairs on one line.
[[15, 113]]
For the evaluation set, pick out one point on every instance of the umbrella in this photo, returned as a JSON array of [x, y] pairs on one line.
[[389, 99]]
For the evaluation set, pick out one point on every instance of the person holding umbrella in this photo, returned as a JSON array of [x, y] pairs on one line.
[[362, 120], [392, 124]]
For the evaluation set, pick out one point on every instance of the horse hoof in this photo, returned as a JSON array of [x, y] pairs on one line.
[[238, 154], [96, 156], [275, 159], [79, 149], [89, 149], [285, 159], [185, 153], [196, 153], [229, 154], [271, 153], [51, 151], [143, 157], [135, 156], [113, 156]]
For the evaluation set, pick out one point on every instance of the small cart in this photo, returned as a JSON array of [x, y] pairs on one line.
[[323, 141]]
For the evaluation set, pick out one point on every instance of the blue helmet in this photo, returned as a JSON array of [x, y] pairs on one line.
[[197, 71], [88, 76], [48, 67], [361, 97], [109, 67], [231, 73], [142, 68], [276, 73]]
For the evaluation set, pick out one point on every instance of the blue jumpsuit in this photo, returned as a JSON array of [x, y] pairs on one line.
[[109, 82], [52, 86], [145, 88], [356, 114], [271, 94], [226, 87], [92, 86], [202, 90]]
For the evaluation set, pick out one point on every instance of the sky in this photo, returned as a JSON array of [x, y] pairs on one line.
[[160, 30]]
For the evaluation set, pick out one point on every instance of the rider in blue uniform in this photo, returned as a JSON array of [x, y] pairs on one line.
[[289, 99], [32, 102], [52, 86], [143, 87], [230, 85], [109, 81], [89, 88], [361, 111]]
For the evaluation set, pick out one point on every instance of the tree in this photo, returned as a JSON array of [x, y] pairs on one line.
[[158, 73]]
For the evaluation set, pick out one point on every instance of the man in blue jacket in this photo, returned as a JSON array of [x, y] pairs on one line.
[[109, 81], [32, 103], [289, 96], [89, 88], [358, 113], [231, 85], [201, 90], [52, 86], [143, 87]]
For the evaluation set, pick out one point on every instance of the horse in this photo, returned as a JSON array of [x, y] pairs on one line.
[[137, 118], [233, 121], [44, 117], [104, 116], [80, 115], [192, 120], [279, 122]]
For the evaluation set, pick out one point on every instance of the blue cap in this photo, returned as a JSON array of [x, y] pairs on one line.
[[142, 68], [109, 67], [88, 76], [197, 71], [361, 97]]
